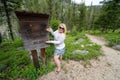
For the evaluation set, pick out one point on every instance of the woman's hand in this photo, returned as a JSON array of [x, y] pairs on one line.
[[48, 29], [47, 42]]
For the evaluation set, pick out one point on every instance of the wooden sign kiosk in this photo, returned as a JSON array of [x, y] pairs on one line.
[[33, 31]]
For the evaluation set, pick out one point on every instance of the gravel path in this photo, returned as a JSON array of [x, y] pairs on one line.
[[103, 68]]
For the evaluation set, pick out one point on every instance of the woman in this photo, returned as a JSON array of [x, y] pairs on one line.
[[59, 37]]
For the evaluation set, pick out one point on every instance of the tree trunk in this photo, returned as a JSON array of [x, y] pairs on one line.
[[8, 19], [0, 38], [113, 30]]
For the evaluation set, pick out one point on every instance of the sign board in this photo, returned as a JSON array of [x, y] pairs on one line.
[[33, 29]]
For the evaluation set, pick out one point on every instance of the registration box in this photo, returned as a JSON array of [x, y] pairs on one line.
[[33, 29]]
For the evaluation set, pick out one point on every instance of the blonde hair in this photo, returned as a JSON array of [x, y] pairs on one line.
[[64, 26]]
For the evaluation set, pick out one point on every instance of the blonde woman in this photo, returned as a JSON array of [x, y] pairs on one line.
[[59, 37]]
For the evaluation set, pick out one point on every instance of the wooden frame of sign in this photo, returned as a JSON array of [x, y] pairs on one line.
[[33, 32]]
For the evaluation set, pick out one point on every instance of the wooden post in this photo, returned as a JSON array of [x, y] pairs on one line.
[[35, 58], [43, 55]]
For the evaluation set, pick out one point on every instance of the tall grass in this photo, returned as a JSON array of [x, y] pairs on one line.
[[113, 38]]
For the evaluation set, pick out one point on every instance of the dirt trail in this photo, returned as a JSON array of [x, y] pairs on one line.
[[103, 68]]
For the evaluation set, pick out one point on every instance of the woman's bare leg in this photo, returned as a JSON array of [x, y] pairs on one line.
[[60, 58], [57, 61]]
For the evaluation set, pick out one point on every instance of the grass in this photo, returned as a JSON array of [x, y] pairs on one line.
[[16, 63], [113, 38]]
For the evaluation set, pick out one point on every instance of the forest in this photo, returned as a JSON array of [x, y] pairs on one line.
[[100, 20]]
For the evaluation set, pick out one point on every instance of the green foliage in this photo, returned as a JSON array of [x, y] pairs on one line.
[[74, 31], [12, 59], [82, 15], [50, 51], [54, 24], [109, 17], [15, 62], [31, 73]]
